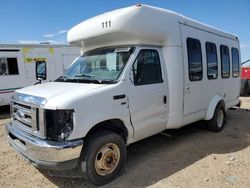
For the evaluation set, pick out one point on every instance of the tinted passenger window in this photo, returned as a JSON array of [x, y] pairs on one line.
[[225, 61], [194, 59], [212, 63], [235, 62], [12, 66], [8, 66], [147, 68]]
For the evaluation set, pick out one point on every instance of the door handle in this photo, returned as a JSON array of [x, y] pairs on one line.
[[117, 97], [165, 99]]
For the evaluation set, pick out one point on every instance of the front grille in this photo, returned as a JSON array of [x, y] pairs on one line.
[[23, 113], [27, 117]]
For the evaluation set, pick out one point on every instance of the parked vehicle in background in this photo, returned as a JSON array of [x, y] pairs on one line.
[[143, 70], [18, 62], [245, 81]]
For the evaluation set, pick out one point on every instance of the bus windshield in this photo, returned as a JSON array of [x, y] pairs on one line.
[[99, 66]]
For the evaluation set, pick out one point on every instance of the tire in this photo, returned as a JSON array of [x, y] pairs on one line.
[[246, 89], [248, 84], [242, 88], [218, 120], [104, 149]]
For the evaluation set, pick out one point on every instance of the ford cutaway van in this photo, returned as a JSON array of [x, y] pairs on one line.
[[143, 70]]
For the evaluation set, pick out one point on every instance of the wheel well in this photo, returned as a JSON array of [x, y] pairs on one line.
[[115, 125], [217, 99]]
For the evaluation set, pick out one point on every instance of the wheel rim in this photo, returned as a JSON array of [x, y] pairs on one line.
[[107, 159], [220, 118]]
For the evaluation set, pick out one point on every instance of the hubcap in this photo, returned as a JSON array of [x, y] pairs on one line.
[[220, 118], [107, 159]]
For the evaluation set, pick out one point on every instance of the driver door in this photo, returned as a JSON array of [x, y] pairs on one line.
[[147, 93]]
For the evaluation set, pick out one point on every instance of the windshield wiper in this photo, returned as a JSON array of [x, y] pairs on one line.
[[92, 77], [63, 77]]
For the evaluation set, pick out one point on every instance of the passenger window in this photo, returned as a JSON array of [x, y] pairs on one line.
[[8, 66], [12, 66], [235, 62], [194, 59], [225, 61], [212, 62], [3, 67], [147, 68]]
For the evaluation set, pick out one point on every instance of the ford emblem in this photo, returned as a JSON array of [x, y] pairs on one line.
[[20, 114]]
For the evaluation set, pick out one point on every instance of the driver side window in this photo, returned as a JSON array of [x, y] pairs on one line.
[[147, 68]]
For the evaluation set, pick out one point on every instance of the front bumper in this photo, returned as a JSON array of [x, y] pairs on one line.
[[43, 153]]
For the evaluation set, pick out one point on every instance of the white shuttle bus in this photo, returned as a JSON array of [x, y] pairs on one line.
[[18, 62], [143, 70]]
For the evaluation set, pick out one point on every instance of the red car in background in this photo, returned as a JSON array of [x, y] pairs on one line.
[[245, 81]]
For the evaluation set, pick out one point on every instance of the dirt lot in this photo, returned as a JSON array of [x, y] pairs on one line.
[[189, 157]]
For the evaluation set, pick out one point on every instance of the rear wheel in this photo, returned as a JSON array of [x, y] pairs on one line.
[[245, 89], [248, 84], [103, 158], [217, 122]]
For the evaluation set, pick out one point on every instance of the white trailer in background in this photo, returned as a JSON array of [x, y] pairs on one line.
[[143, 70], [18, 61]]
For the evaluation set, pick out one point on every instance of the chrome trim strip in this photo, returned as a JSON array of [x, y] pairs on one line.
[[24, 110], [24, 120], [41, 122], [34, 118], [39, 149], [20, 126], [29, 99]]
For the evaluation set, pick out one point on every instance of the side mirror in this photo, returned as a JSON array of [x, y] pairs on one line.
[[41, 70]]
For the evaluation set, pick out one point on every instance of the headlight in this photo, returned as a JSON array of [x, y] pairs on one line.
[[59, 124]]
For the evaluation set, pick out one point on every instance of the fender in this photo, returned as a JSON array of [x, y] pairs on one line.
[[212, 105]]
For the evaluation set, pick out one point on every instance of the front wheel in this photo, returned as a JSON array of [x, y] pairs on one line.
[[103, 158], [217, 122]]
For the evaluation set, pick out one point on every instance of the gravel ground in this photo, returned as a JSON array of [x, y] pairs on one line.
[[188, 157]]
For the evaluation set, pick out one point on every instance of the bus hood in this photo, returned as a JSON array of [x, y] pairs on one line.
[[42, 93]]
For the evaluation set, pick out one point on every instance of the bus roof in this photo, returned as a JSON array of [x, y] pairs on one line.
[[140, 24]]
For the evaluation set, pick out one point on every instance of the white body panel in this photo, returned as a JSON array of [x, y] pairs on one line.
[[57, 57], [199, 95], [146, 104], [145, 113]]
